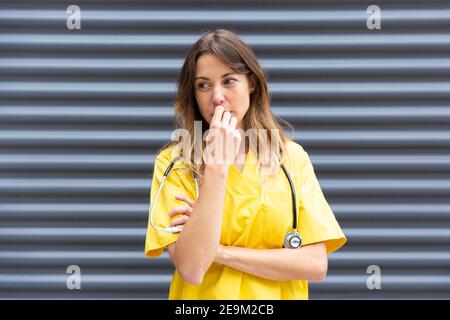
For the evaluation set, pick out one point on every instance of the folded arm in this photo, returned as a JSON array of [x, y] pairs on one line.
[[310, 262]]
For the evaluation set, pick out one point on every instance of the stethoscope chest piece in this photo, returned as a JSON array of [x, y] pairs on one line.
[[293, 240]]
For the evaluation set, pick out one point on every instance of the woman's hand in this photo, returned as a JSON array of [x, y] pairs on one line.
[[180, 222], [184, 210], [223, 140]]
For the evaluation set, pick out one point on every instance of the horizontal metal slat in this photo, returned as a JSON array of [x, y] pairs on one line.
[[278, 67], [145, 164], [136, 235], [146, 138]]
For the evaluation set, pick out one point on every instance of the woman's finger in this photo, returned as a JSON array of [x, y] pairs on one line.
[[181, 210], [217, 117], [184, 198], [226, 119], [233, 123], [177, 221]]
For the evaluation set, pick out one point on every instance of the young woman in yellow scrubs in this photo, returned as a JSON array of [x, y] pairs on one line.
[[231, 240]]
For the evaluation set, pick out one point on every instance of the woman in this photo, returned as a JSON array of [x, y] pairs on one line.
[[231, 240]]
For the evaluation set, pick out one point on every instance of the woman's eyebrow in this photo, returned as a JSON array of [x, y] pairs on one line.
[[206, 78]]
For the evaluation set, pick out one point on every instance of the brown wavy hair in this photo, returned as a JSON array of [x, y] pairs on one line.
[[233, 52]]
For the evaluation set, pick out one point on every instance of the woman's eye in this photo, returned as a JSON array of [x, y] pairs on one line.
[[230, 81], [202, 85]]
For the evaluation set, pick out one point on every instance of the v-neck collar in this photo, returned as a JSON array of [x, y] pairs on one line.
[[248, 158]]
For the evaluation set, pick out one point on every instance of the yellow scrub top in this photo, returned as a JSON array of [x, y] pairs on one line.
[[255, 216]]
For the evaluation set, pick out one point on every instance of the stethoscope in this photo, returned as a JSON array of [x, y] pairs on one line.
[[292, 240]]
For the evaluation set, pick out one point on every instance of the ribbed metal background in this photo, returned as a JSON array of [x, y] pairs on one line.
[[83, 112]]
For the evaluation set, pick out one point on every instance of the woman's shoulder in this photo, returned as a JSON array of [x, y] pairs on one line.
[[167, 153], [297, 157], [295, 151]]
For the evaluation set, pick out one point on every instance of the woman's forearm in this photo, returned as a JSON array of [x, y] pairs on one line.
[[196, 247], [307, 263]]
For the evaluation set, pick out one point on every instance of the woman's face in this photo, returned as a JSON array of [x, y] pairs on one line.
[[216, 84]]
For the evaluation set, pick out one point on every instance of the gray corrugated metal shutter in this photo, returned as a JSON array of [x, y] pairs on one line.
[[83, 112]]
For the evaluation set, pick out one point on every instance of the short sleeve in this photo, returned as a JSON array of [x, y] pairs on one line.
[[317, 222], [177, 182]]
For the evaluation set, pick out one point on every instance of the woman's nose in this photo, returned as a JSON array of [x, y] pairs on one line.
[[218, 99]]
